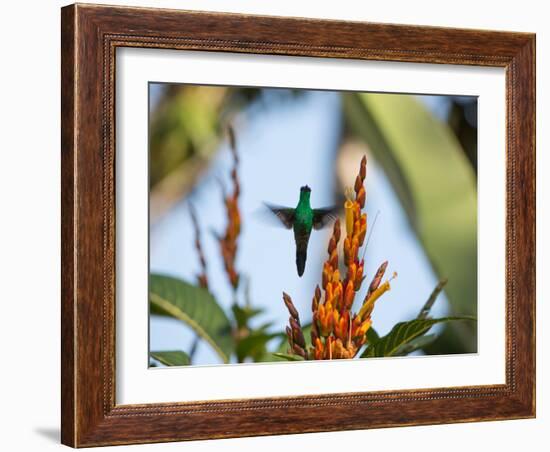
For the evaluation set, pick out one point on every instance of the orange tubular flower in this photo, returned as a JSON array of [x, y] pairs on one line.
[[228, 243], [336, 332]]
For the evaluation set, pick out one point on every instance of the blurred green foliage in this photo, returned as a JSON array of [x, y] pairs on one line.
[[171, 358], [194, 306], [185, 124]]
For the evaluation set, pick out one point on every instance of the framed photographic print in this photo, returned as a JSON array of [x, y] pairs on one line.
[[282, 225]]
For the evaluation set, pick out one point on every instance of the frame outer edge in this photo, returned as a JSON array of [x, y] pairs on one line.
[[86, 418], [533, 119], [525, 62], [68, 242]]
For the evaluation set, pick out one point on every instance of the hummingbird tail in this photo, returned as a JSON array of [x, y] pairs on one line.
[[301, 256]]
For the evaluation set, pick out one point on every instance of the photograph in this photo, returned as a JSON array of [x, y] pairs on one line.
[[286, 224], [291, 225]]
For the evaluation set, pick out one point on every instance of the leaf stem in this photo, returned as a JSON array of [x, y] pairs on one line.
[[431, 300]]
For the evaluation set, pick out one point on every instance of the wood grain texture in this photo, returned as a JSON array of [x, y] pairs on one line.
[[90, 36], [67, 226]]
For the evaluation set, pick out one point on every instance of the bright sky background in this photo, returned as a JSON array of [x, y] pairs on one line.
[[282, 148]]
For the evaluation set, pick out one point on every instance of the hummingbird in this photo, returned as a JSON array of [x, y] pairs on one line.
[[302, 220]]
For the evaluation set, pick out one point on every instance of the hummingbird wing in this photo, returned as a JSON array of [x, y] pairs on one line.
[[284, 214], [323, 217]]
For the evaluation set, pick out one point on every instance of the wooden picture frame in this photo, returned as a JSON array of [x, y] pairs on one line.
[[90, 36]]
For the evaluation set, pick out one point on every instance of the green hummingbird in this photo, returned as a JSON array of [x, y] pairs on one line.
[[302, 220]]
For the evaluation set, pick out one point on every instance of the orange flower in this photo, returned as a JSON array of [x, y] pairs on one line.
[[337, 333], [228, 243]]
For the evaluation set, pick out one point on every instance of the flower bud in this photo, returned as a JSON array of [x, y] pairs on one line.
[[289, 335], [317, 293], [361, 197], [334, 259], [358, 277], [349, 294], [336, 230], [299, 351], [347, 249], [297, 334], [358, 184], [319, 349], [314, 303], [290, 306], [331, 245], [362, 234], [352, 271], [337, 293], [314, 332], [377, 278], [348, 209]]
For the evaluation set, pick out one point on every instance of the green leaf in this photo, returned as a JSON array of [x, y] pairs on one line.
[[403, 333], [416, 344], [194, 306], [372, 336], [254, 345], [287, 357], [243, 314], [172, 358], [435, 183]]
